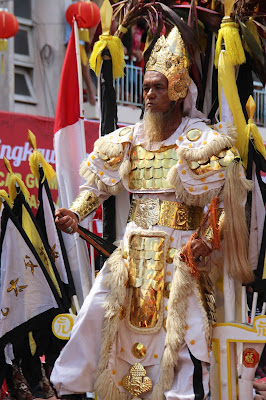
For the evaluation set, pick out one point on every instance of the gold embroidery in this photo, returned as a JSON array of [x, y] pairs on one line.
[[4, 313], [15, 288], [85, 203], [137, 383], [146, 277], [138, 350], [30, 264], [54, 253], [149, 169]]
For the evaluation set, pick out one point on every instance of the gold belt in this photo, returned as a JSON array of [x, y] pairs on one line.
[[148, 212]]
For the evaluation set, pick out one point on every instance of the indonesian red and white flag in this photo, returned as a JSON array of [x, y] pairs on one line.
[[69, 145]]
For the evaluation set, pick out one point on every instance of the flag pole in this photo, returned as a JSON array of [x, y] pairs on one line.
[[81, 106], [81, 119]]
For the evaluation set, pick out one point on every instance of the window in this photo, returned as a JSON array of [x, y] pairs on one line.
[[24, 53], [22, 8], [24, 91]]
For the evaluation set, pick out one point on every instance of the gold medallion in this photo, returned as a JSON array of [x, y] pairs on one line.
[[193, 135], [138, 350], [124, 131]]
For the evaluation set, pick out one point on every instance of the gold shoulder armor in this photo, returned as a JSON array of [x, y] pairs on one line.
[[110, 153], [213, 163]]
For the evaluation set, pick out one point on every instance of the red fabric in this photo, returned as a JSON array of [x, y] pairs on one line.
[[67, 110], [3, 391], [14, 146]]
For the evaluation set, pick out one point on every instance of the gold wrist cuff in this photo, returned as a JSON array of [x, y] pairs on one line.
[[85, 203]]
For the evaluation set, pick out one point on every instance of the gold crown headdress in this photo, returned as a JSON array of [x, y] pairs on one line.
[[169, 56]]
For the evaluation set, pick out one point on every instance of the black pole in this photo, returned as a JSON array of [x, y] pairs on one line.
[[108, 125]]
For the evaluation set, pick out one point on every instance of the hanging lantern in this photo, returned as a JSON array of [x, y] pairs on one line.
[[8, 27], [87, 15]]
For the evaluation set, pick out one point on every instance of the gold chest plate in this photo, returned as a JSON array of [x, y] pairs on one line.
[[149, 169]]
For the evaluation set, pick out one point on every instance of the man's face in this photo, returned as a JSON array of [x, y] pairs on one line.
[[155, 92]]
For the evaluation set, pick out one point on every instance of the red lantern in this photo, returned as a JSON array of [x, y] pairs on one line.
[[87, 14], [8, 27]]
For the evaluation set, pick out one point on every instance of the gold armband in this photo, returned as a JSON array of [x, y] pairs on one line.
[[208, 235], [85, 203]]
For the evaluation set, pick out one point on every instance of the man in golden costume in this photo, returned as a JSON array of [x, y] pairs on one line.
[[144, 330]]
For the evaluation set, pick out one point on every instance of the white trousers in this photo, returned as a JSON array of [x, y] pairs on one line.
[[191, 381]]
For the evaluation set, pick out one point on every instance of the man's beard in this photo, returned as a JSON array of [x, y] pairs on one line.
[[155, 125]]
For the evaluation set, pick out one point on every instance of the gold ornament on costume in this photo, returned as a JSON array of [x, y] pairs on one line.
[[149, 212], [169, 57], [85, 203], [138, 350], [124, 131], [149, 169], [214, 163], [137, 383], [146, 278], [193, 135]]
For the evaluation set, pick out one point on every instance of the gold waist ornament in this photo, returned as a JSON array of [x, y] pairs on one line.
[[148, 212]]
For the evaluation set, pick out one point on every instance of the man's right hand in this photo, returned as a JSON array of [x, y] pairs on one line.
[[66, 220]]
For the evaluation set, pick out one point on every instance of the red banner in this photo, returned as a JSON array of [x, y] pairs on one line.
[[15, 147]]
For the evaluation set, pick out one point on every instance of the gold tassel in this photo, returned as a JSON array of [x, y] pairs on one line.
[[12, 183], [2, 64], [113, 43], [115, 46], [3, 45], [230, 34], [13, 190], [84, 34], [252, 131], [36, 158]]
